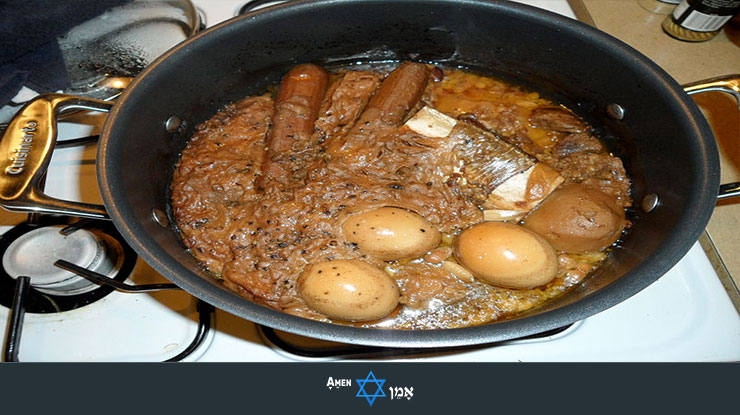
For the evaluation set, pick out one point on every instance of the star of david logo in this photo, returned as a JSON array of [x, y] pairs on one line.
[[362, 393]]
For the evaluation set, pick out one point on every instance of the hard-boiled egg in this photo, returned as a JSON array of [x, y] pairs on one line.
[[506, 255], [391, 233], [577, 219], [350, 290]]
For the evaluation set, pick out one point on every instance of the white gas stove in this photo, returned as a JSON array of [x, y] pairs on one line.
[[685, 316]]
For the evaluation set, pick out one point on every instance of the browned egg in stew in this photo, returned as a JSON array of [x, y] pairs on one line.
[[401, 196]]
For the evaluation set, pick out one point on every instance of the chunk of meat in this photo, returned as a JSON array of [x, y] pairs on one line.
[[296, 109], [499, 175], [557, 119], [582, 158], [345, 101], [576, 143], [600, 171]]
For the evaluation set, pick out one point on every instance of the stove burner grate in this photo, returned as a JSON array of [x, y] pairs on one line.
[[40, 302], [22, 286], [326, 350]]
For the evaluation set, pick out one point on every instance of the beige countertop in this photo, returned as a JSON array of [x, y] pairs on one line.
[[634, 24]]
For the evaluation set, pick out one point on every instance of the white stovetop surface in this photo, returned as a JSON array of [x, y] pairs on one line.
[[685, 316]]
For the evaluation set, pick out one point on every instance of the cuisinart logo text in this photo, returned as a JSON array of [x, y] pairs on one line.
[[371, 388], [19, 155]]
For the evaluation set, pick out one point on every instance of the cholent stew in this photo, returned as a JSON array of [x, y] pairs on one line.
[[405, 197]]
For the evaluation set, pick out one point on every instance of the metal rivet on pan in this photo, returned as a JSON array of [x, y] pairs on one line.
[[615, 111], [160, 217], [172, 124], [649, 202]]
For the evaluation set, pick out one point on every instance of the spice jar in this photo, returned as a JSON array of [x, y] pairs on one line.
[[699, 20]]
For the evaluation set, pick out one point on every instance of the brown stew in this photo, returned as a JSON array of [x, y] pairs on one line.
[[266, 191]]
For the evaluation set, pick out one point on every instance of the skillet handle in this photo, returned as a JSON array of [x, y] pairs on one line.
[[25, 152], [257, 4], [731, 85]]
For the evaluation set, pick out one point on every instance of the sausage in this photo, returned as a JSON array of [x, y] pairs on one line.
[[399, 92], [297, 106]]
